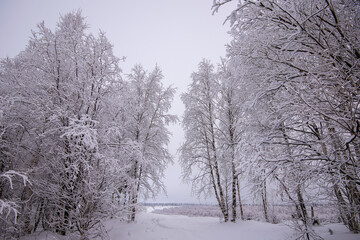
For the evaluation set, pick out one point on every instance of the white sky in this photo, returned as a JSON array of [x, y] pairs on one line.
[[176, 35]]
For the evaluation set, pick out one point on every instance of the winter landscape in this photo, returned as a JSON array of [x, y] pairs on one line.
[[155, 226], [220, 119]]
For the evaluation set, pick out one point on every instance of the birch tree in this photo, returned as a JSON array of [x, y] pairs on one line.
[[52, 102], [200, 157], [310, 56], [230, 118], [150, 103]]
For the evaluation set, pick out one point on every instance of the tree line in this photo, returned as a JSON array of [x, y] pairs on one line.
[[281, 110], [80, 141]]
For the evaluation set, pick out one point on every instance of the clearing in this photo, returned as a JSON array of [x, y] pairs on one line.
[[153, 226]]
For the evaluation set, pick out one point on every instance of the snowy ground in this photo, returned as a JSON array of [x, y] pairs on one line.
[[152, 226]]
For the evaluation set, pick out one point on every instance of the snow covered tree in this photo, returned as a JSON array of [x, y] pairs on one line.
[[57, 120], [149, 104], [304, 55], [77, 71], [230, 127], [200, 155]]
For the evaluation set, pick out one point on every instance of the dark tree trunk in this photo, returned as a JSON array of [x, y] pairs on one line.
[[304, 214], [264, 201], [240, 203]]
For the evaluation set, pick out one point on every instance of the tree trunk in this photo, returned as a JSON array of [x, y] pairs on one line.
[[264, 201], [312, 213], [234, 180], [211, 148], [133, 209], [240, 203], [218, 179], [348, 208], [304, 214], [346, 212], [221, 193]]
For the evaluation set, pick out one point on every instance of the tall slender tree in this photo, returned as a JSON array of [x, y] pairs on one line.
[[151, 102], [200, 152]]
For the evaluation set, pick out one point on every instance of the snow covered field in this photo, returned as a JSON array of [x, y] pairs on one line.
[[171, 227], [153, 226], [280, 213]]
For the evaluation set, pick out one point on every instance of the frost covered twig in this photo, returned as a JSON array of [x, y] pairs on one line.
[[11, 174], [8, 207]]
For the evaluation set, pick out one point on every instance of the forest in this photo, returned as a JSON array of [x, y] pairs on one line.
[[81, 141]]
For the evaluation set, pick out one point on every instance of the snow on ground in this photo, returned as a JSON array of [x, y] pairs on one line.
[[152, 226]]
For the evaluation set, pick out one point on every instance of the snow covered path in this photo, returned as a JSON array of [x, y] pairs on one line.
[[151, 226]]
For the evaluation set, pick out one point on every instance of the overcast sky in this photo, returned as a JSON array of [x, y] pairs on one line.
[[175, 35]]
